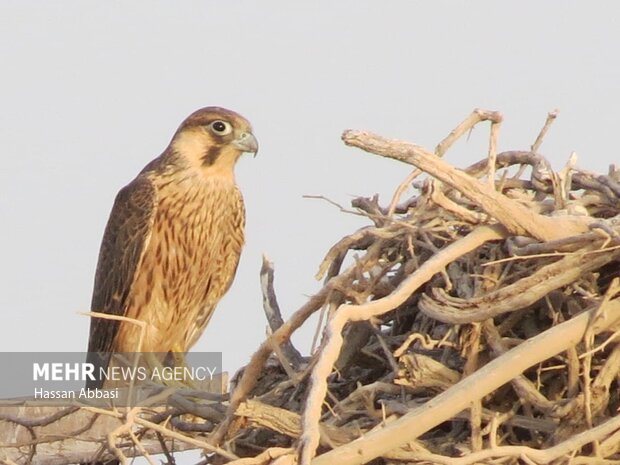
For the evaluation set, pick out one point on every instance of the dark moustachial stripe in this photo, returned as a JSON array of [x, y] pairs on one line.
[[210, 157]]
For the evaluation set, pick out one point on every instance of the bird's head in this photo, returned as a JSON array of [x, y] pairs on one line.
[[212, 139]]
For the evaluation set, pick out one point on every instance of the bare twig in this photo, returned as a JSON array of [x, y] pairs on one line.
[[551, 116], [272, 311]]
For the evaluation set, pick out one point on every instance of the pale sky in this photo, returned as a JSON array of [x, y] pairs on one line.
[[92, 91]]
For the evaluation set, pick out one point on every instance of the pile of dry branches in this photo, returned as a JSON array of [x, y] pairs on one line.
[[475, 322]]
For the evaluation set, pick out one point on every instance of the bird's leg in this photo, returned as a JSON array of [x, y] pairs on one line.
[[178, 355], [178, 360], [164, 372], [153, 363]]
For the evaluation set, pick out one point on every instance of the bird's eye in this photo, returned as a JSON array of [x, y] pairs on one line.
[[221, 128]]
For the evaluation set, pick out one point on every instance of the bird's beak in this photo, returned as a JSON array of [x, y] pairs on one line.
[[246, 142]]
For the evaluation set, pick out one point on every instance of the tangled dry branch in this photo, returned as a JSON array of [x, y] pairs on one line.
[[477, 323]]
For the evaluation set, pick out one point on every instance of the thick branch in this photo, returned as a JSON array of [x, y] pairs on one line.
[[65, 440], [518, 219], [516, 296]]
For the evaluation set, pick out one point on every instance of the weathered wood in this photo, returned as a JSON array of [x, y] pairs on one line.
[[76, 438]]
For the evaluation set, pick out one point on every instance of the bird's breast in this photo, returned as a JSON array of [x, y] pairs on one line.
[[191, 258]]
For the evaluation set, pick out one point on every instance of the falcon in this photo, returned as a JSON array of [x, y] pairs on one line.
[[172, 243]]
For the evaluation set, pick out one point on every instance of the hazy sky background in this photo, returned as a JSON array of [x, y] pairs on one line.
[[92, 91]]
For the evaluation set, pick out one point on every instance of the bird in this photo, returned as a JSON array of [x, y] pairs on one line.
[[173, 241]]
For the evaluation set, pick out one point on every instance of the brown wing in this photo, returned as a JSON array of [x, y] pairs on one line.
[[124, 240]]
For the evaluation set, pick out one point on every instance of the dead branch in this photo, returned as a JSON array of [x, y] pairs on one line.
[[519, 220], [272, 311], [516, 296]]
